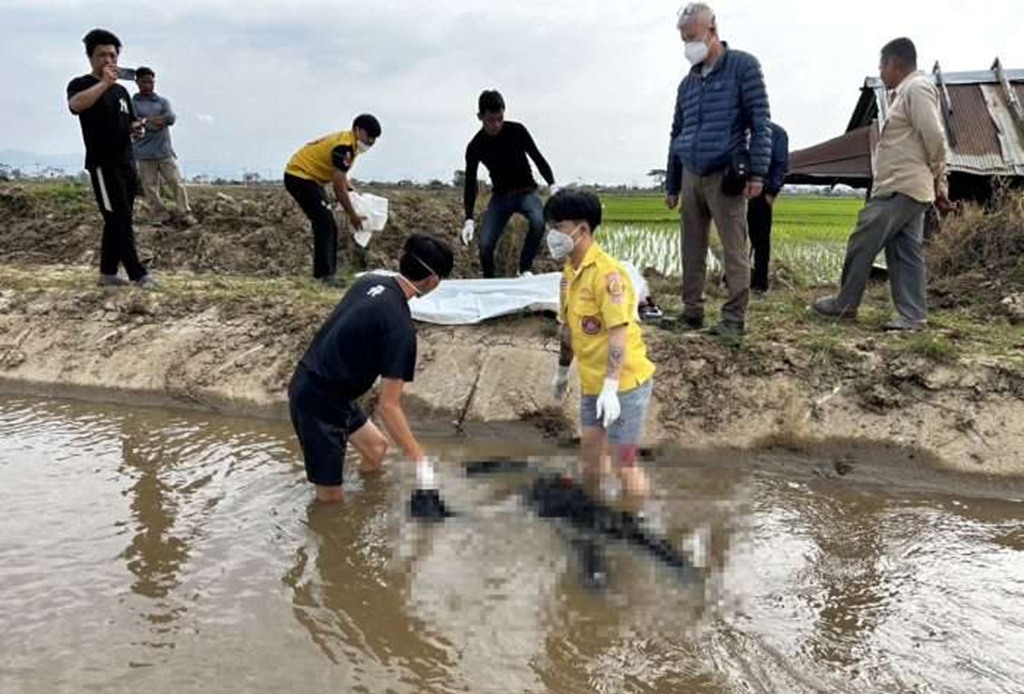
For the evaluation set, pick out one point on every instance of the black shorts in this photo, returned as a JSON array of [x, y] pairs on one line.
[[323, 424]]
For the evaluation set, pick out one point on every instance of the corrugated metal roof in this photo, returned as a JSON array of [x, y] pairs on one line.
[[985, 139], [844, 159]]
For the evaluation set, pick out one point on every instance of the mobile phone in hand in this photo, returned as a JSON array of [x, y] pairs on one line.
[[126, 73]]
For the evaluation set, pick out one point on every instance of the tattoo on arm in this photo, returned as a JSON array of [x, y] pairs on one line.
[[616, 351], [615, 355]]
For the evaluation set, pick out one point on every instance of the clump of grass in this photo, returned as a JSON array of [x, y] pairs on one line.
[[825, 350], [937, 348]]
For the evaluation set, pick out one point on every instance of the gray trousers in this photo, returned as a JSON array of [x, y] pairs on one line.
[[702, 201], [896, 224], [152, 172]]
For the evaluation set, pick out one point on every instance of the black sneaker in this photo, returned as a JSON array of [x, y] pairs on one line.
[[730, 330], [692, 322]]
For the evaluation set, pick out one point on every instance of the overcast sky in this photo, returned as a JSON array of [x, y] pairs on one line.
[[593, 80]]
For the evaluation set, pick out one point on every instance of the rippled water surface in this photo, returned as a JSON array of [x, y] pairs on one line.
[[144, 550]]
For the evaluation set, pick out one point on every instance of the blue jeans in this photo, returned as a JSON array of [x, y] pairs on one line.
[[628, 429], [500, 209]]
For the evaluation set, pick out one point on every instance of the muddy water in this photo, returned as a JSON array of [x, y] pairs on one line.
[[156, 551]]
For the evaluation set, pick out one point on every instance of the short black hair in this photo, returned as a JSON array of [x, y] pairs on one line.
[[490, 101], [422, 255], [368, 123], [144, 72], [574, 205], [100, 37], [903, 51]]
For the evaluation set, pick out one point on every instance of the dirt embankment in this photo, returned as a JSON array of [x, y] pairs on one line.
[[228, 337]]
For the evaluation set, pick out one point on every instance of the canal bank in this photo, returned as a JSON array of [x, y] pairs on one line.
[[229, 345]]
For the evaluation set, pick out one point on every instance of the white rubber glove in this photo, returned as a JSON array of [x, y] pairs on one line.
[[608, 408], [467, 232], [560, 383], [425, 474]]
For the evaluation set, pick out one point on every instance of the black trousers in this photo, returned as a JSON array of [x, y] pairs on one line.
[[115, 186], [311, 198], [759, 226]]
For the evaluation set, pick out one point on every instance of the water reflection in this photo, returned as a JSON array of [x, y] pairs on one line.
[[154, 555], [848, 565], [196, 535], [347, 592]]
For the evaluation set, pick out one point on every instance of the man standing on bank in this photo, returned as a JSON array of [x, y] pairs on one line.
[[759, 210], [601, 332], [909, 174], [369, 335], [719, 155], [105, 112], [503, 146], [153, 151], [329, 160]]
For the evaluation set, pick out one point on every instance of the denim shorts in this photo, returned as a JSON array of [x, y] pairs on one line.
[[629, 427]]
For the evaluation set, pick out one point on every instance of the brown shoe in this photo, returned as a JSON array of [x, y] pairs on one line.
[[828, 308]]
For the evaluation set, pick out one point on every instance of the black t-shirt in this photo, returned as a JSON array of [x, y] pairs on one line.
[[370, 334], [504, 155], [106, 125]]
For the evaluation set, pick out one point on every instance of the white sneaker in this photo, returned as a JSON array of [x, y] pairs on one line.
[[147, 281]]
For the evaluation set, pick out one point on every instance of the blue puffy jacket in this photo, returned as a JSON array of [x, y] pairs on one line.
[[780, 161], [718, 116]]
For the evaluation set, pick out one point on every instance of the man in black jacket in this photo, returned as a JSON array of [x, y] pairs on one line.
[[105, 111], [759, 210], [502, 146]]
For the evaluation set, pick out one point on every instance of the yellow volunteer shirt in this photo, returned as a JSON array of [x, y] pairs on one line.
[[597, 297], [318, 160]]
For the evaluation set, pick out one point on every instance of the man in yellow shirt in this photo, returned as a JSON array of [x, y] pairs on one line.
[[322, 161], [601, 329]]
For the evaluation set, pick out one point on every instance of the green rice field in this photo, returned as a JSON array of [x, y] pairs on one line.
[[808, 235]]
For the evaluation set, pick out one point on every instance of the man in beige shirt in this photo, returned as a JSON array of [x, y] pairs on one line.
[[909, 175]]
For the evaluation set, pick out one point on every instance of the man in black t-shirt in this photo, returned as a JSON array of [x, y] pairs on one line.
[[502, 146], [369, 335], [105, 111]]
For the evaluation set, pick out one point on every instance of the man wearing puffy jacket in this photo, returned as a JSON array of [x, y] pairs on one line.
[[719, 156]]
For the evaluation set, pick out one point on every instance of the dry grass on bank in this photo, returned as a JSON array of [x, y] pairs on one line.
[[977, 259]]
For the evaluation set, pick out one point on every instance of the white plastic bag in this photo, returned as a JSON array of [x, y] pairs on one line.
[[463, 302], [374, 211]]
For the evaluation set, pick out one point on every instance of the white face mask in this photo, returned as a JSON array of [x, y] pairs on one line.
[[696, 52], [362, 147], [560, 245]]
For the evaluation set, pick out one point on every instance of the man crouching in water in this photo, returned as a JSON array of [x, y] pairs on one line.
[[601, 329], [369, 334]]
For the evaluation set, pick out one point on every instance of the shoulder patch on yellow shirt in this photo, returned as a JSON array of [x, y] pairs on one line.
[[615, 290]]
